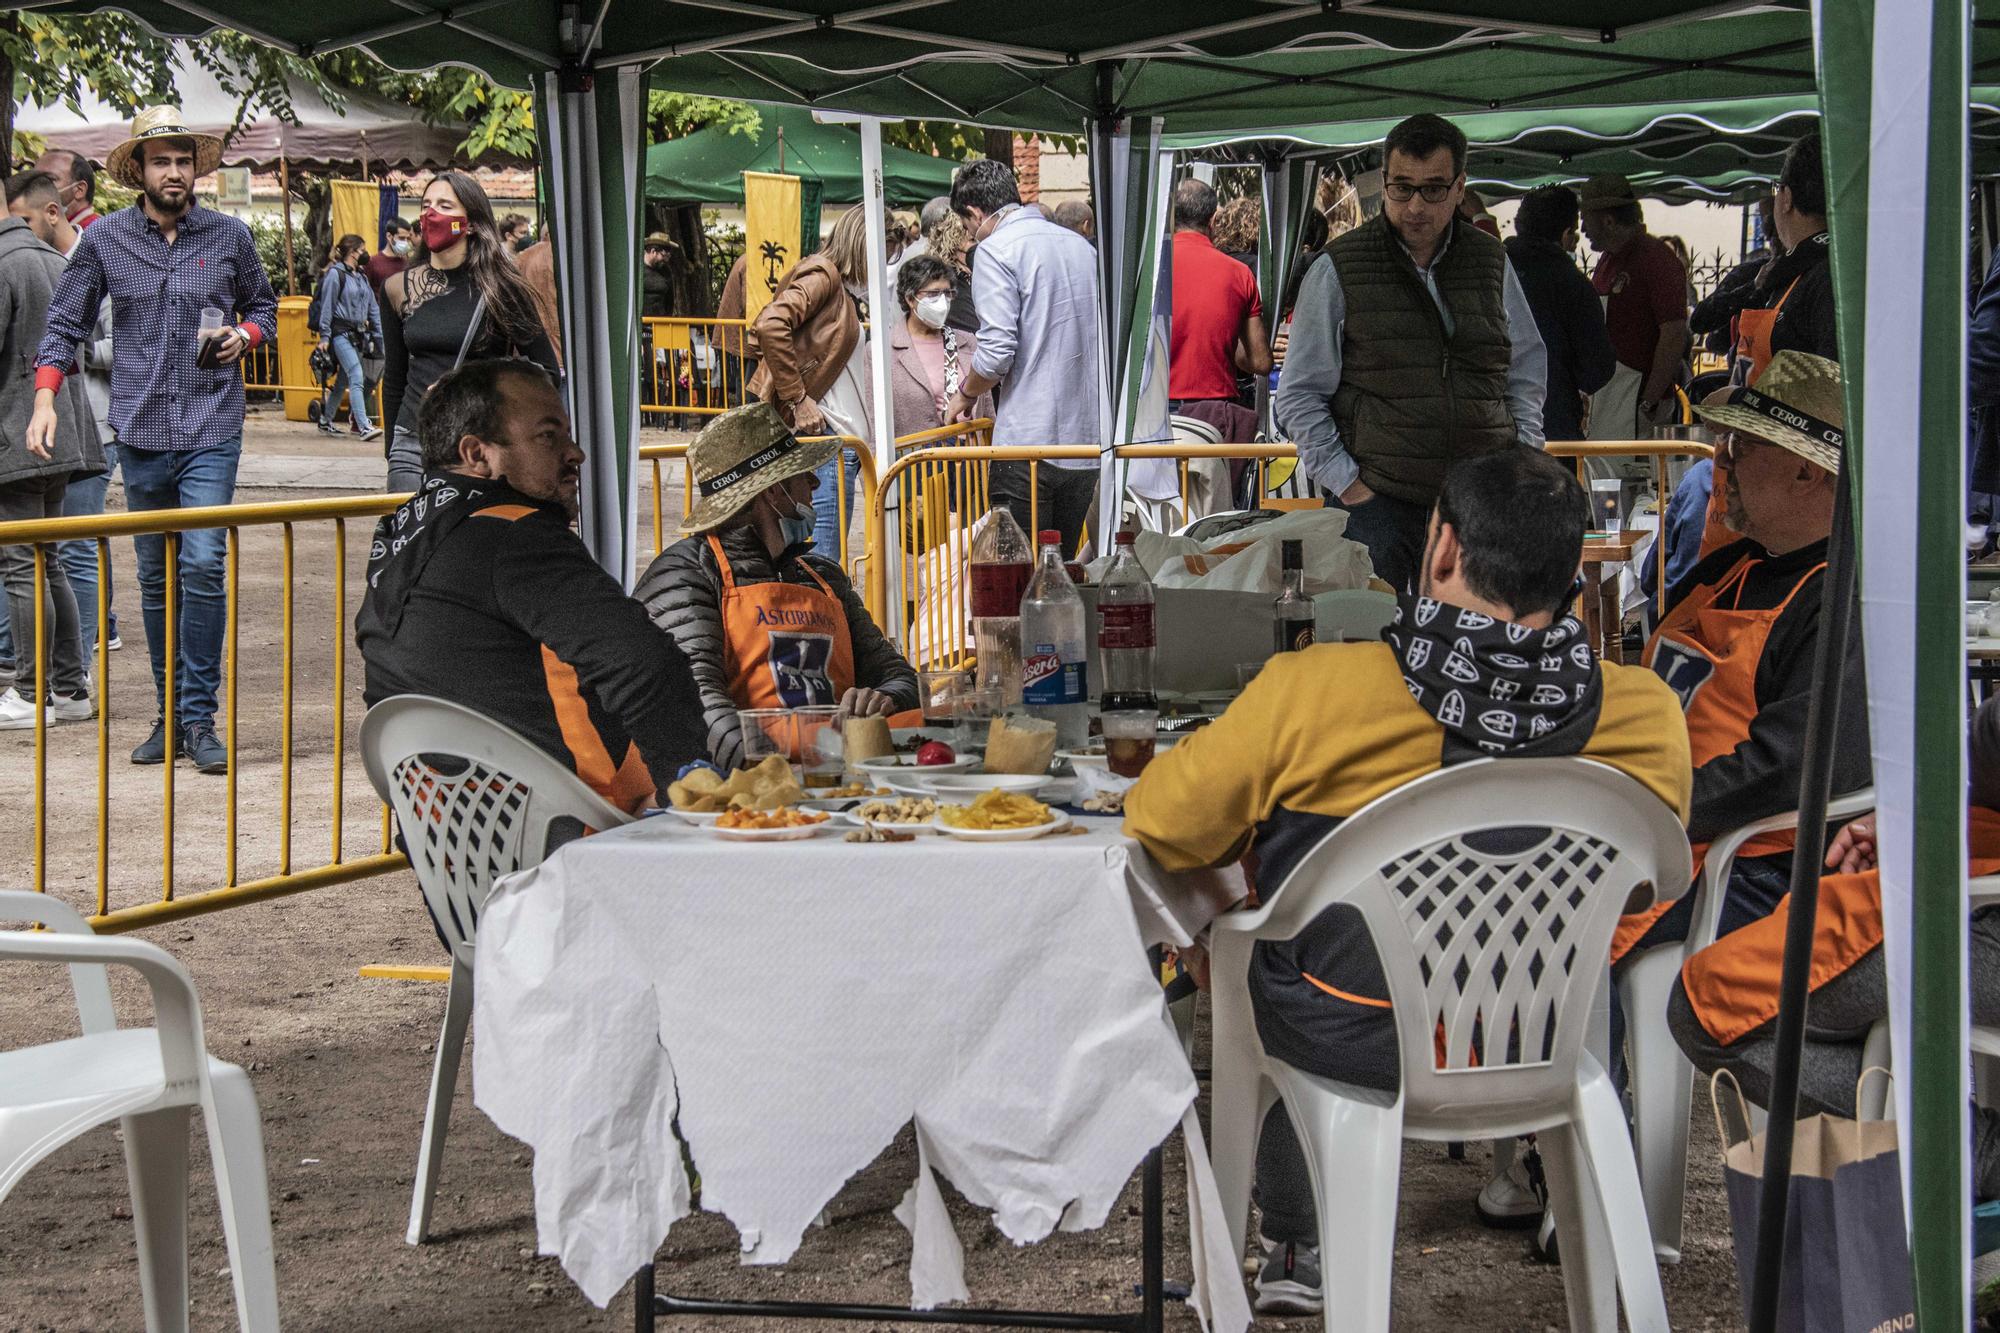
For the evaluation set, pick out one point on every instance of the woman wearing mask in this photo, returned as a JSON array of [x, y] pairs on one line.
[[462, 300], [350, 325], [763, 624], [949, 241], [815, 361], [931, 357]]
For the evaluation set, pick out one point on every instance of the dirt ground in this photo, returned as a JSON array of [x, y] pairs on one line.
[[341, 1067]]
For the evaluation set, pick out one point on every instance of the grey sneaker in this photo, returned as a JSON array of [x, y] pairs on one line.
[[1288, 1280]]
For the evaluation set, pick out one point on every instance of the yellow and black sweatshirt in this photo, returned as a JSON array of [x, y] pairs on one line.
[[1316, 736]]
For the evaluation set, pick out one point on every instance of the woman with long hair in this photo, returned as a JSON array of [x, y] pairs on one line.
[[461, 299], [814, 360]]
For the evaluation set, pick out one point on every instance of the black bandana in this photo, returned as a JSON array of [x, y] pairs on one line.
[[1497, 687]]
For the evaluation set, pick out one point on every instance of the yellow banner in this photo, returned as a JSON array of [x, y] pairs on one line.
[[770, 235], [357, 211]]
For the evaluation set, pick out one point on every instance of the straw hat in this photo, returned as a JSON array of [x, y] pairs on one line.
[[161, 122], [1606, 190], [738, 455], [659, 240], [1795, 404]]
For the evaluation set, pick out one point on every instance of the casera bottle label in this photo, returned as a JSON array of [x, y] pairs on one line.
[[1129, 626], [997, 589], [1047, 679]]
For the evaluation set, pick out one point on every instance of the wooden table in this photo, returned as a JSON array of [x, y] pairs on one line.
[[1599, 603]]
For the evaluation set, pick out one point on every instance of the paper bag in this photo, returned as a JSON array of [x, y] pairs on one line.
[[1846, 1254], [1248, 560]]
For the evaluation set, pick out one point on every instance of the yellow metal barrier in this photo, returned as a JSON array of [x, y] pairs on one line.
[[1657, 450], [285, 877], [658, 454], [694, 366]]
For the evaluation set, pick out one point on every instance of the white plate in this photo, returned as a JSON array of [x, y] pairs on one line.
[[972, 784], [768, 834], [696, 817], [904, 764], [1084, 758], [1058, 823]]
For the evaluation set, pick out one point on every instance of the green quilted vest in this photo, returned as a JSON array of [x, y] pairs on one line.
[[1412, 400]]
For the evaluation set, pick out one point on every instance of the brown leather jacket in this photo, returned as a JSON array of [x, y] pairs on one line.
[[805, 335]]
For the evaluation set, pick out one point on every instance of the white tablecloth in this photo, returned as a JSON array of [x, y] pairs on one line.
[[797, 1003]]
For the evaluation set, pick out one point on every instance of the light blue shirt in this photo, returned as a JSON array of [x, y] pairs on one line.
[[1035, 287], [1303, 404]]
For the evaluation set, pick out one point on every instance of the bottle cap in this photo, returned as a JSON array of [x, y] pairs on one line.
[[1127, 538], [1051, 537]]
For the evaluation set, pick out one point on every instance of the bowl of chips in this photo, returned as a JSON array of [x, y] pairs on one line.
[[1000, 816], [704, 793]]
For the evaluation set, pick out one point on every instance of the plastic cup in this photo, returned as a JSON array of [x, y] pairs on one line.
[[942, 692], [1130, 736], [767, 732], [1605, 504], [816, 731]]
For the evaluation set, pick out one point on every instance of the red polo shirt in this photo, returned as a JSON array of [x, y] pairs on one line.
[[1644, 286], [1213, 296]]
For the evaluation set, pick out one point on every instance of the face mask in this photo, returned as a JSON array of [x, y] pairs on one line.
[[401, 248], [441, 231], [796, 528], [933, 309]]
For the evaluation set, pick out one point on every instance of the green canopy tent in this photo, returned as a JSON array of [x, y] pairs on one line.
[[1896, 80], [707, 167]]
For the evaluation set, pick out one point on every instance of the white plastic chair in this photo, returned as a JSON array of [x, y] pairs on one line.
[[1661, 1079], [1512, 944], [464, 830], [1874, 1102], [146, 1079]]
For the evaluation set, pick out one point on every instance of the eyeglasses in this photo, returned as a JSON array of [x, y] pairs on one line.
[[1403, 191]]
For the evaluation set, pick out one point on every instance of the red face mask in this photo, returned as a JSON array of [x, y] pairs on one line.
[[441, 231]]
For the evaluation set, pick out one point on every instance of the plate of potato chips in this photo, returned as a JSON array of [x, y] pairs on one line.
[[1000, 816], [703, 795]]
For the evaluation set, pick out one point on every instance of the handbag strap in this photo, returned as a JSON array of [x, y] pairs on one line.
[[471, 331], [1715, 1101]]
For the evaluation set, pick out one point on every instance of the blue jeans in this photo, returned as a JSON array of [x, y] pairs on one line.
[[79, 558], [347, 352], [184, 479], [826, 504]]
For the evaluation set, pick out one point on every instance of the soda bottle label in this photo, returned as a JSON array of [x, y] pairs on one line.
[[1047, 679], [1129, 626], [1294, 635], [997, 589]]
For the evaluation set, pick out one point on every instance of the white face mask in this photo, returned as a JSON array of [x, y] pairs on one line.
[[932, 309], [401, 247]]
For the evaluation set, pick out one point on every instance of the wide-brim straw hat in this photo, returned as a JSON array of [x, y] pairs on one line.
[[1607, 189], [741, 454], [1796, 404], [161, 122]]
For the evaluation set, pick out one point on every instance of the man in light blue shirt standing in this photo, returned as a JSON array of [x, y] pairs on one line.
[[1035, 287], [1412, 346]]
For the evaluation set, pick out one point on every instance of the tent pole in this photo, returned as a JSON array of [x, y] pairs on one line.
[[1794, 993], [285, 194], [882, 312]]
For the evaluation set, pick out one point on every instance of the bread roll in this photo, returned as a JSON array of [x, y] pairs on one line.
[[1020, 745], [866, 738]]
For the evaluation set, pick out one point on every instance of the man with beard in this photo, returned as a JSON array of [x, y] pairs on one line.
[[176, 396], [1412, 346], [1321, 733], [480, 593]]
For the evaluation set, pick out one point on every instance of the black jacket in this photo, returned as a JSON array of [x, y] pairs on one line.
[[682, 592], [1805, 321], [483, 596], [657, 293], [1570, 319]]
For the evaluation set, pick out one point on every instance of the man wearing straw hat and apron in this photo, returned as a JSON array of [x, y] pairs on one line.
[[764, 625], [188, 299]]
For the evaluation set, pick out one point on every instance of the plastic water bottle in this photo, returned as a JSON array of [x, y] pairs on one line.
[[1053, 677], [1001, 564], [1126, 631]]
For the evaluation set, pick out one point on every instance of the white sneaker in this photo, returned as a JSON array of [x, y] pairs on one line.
[[16, 713], [1510, 1200], [72, 708]]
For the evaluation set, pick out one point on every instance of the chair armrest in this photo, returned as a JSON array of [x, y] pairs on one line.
[[93, 992], [1982, 891], [1722, 857], [176, 1007]]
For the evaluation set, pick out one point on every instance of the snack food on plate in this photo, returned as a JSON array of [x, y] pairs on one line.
[[903, 810], [872, 834], [765, 787], [1105, 803], [768, 819], [1020, 745], [997, 810], [852, 789], [865, 738]]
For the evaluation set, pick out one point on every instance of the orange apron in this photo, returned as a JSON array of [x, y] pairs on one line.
[[1708, 651], [1732, 985], [784, 645]]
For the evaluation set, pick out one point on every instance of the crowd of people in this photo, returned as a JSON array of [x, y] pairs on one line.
[[1424, 363]]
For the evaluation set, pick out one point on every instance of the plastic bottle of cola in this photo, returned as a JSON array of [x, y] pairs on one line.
[[1127, 631], [1053, 683], [1001, 564]]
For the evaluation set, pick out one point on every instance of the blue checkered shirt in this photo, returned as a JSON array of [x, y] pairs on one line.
[[159, 398]]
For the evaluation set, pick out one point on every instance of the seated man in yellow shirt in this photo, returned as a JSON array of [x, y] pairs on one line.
[[1484, 658]]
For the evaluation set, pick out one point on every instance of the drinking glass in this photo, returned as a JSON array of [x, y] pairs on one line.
[[768, 731], [816, 733], [941, 693], [1606, 502], [974, 716], [1129, 738]]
